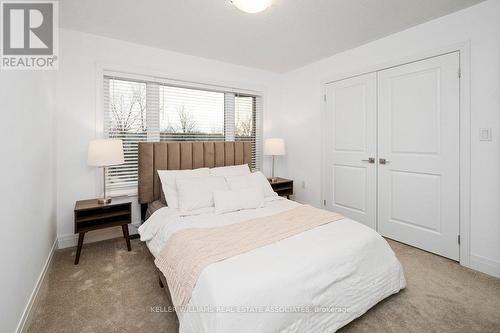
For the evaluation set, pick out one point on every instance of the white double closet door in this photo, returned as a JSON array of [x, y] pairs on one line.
[[392, 152]]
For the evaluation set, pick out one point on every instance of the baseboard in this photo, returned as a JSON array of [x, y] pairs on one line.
[[33, 300], [485, 265], [65, 241]]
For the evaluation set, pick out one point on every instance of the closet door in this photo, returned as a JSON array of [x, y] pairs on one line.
[[418, 146], [350, 187]]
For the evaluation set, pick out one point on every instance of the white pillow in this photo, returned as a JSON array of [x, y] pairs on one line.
[[231, 201], [201, 211], [168, 182], [255, 179], [232, 170], [196, 193]]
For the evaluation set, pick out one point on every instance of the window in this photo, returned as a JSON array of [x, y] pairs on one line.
[[149, 109], [191, 114], [125, 119], [245, 120]]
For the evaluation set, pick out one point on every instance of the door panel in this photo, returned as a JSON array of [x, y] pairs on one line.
[[419, 207], [350, 109], [351, 138], [418, 134], [415, 105], [349, 187]]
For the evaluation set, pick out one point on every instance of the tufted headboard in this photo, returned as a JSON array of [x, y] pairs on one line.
[[168, 155]]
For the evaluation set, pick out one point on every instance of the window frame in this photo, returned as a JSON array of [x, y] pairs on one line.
[[223, 87]]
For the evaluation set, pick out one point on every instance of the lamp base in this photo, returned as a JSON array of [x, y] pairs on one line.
[[104, 201], [274, 179]]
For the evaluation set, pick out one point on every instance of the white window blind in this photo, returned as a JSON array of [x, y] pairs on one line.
[[126, 119], [151, 109], [191, 114], [246, 118]]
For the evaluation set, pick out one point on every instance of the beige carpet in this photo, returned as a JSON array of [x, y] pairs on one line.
[[113, 290]]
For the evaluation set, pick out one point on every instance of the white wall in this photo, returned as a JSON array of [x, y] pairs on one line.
[[77, 116], [298, 115], [27, 199]]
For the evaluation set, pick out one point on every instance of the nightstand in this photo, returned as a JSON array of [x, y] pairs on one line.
[[91, 215], [282, 186]]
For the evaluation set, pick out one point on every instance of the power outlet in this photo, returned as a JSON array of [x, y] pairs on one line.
[[485, 134], [303, 184]]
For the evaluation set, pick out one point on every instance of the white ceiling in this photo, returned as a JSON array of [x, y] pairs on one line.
[[289, 34]]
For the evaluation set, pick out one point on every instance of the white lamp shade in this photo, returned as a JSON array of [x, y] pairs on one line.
[[105, 152], [274, 146]]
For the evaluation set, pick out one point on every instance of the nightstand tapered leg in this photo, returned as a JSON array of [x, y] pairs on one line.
[[81, 235], [125, 234], [160, 282]]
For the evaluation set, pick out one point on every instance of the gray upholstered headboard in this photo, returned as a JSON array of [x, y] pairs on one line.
[[155, 156]]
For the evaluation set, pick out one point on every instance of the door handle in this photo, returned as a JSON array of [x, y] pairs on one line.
[[370, 160], [383, 161]]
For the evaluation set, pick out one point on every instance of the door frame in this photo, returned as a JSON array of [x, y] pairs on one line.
[[465, 131]]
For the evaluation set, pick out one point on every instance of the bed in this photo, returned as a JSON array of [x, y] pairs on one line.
[[317, 280]]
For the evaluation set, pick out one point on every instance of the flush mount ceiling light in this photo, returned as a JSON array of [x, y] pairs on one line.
[[251, 6]]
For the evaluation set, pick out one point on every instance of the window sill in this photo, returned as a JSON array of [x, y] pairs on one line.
[[125, 192]]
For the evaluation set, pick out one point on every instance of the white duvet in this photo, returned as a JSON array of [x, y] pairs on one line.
[[316, 281]]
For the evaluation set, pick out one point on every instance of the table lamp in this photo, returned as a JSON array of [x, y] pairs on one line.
[[274, 147], [104, 153]]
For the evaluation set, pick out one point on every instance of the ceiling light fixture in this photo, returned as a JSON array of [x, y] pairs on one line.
[[252, 6]]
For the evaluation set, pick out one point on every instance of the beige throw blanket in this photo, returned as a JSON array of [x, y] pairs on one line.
[[189, 251]]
